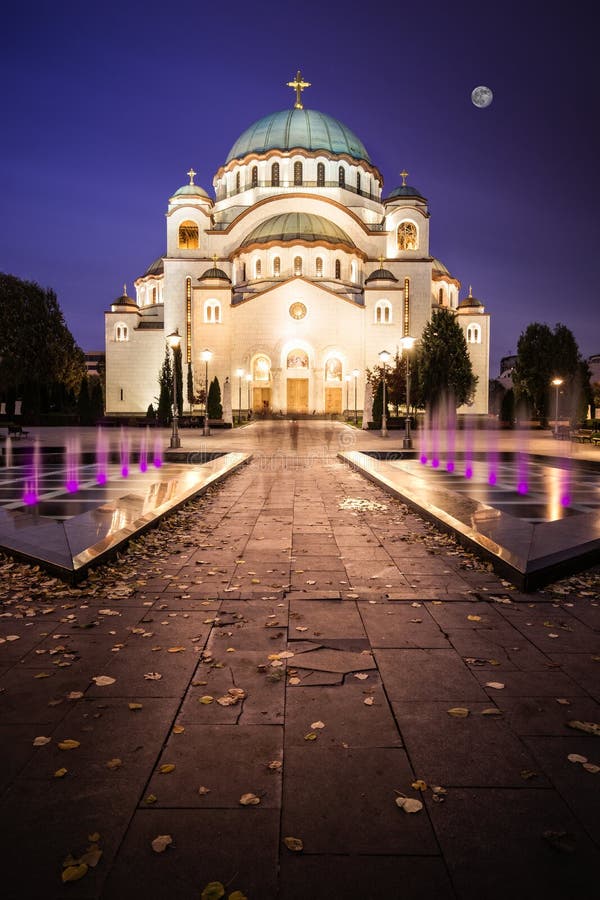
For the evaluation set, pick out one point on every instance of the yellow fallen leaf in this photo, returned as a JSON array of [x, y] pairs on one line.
[[213, 891], [151, 798], [294, 843], [68, 745], [206, 699], [175, 649], [135, 706], [166, 768], [203, 791], [178, 729], [317, 725], [275, 764], [368, 701], [74, 873], [474, 618], [459, 712], [41, 741], [311, 736], [497, 685], [60, 773], [492, 711], [294, 680], [160, 843], [419, 785], [591, 767], [249, 800], [237, 895], [103, 680], [115, 763], [409, 804]]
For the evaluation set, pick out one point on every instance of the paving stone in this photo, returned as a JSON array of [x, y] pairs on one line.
[[472, 751], [426, 675], [552, 683], [582, 668], [401, 625], [341, 661], [517, 860], [230, 760], [343, 801], [348, 721], [506, 647], [453, 616], [327, 619], [545, 715], [25, 698]]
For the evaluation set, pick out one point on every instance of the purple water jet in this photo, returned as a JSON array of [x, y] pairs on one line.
[[157, 459], [144, 451], [124, 450], [101, 457], [72, 455], [31, 493]]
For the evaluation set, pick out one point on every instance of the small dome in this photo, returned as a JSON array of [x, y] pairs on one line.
[[381, 275], [469, 303], [404, 190], [303, 128], [124, 300], [289, 227], [156, 268], [439, 267], [190, 190], [219, 274]]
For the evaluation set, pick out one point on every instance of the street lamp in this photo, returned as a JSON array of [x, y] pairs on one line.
[[407, 343], [383, 358], [240, 375], [557, 383], [347, 379], [248, 382], [206, 357], [356, 373], [174, 342]]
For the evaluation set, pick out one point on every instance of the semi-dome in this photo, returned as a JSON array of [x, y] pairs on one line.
[[288, 227], [381, 275], [439, 267], [155, 268], [405, 191], [190, 190], [124, 300], [215, 272], [307, 129], [470, 302]]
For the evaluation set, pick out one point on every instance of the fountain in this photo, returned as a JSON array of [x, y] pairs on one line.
[[101, 457], [72, 458], [157, 458], [143, 462], [124, 451], [31, 494]]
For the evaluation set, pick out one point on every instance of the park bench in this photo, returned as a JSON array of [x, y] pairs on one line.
[[582, 435], [16, 430], [595, 438]]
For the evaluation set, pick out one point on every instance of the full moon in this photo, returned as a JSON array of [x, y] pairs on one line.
[[481, 96]]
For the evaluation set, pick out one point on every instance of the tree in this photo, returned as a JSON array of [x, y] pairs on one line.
[[83, 403], [378, 403], [165, 399], [178, 364], [543, 354], [191, 399], [444, 367], [96, 399], [507, 408], [215, 410]]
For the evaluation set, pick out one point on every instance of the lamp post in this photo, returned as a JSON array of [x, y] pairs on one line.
[[347, 379], [383, 358], [248, 382], [557, 383], [407, 343], [356, 373], [240, 375], [206, 356], [174, 341]]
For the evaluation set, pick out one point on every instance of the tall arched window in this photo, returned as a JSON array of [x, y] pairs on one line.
[[275, 175], [333, 369], [354, 271], [297, 173], [297, 265], [338, 269], [121, 332], [257, 268], [212, 312], [277, 266], [441, 296], [383, 312], [342, 177], [254, 176], [319, 266], [297, 359], [261, 369], [237, 182], [243, 271], [188, 236], [154, 295], [358, 182], [320, 174], [474, 334], [407, 236]]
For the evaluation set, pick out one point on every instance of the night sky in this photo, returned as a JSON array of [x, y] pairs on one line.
[[105, 106]]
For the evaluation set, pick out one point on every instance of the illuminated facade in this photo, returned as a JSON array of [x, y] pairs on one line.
[[298, 272]]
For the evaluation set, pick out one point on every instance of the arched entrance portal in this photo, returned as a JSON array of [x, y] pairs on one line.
[[261, 384], [297, 369]]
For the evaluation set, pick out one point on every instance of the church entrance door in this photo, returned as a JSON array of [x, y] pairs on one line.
[[333, 400], [297, 395], [261, 399]]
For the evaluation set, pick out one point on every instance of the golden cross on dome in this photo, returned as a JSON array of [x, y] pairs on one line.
[[124, 290], [298, 84], [214, 259], [403, 176], [191, 173], [470, 291], [381, 259]]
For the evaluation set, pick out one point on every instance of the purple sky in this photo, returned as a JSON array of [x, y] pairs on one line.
[[106, 106]]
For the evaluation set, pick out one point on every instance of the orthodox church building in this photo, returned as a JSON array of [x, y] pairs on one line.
[[291, 280]]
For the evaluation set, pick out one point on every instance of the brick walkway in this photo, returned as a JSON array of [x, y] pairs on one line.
[[351, 627]]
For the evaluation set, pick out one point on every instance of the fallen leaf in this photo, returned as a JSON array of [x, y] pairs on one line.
[[368, 701], [74, 873], [135, 706], [249, 800], [458, 712], [591, 767], [41, 741], [587, 727], [311, 736], [203, 791], [206, 699], [175, 649], [178, 729], [492, 711], [103, 680], [527, 774], [474, 618], [361, 676], [563, 701], [409, 804], [293, 843], [497, 685], [294, 680], [115, 763], [275, 764], [576, 758], [419, 785], [60, 773], [68, 744], [151, 798], [237, 895], [318, 725], [213, 891], [160, 843], [75, 695], [166, 768]]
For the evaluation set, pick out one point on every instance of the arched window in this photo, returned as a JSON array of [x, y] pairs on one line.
[[383, 312], [243, 271], [297, 359], [353, 271], [261, 369], [342, 177], [407, 236], [237, 182], [188, 236], [154, 295], [277, 266], [319, 266], [212, 312], [320, 174], [358, 182], [297, 265], [474, 334], [297, 173], [338, 269], [257, 268], [441, 296], [333, 369], [254, 176], [275, 175], [121, 332]]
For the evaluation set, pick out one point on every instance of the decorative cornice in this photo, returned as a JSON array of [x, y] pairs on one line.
[[299, 151]]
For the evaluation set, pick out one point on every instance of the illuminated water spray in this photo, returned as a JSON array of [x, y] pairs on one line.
[[31, 494], [101, 457], [124, 451], [72, 457], [157, 456]]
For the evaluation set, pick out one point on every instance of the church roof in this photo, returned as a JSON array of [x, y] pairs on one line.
[[405, 190], [297, 226], [156, 268], [438, 266], [470, 302], [191, 190], [380, 275], [304, 128], [214, 272], [124, 300]]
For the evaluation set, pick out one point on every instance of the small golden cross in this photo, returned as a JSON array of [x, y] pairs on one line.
[[470, 291], [191, 173], [381, 259], [124, 290], [403, 176], [214, 259], [298, 84]]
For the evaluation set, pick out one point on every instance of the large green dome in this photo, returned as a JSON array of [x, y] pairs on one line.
[[305, 128], [288, 227]]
